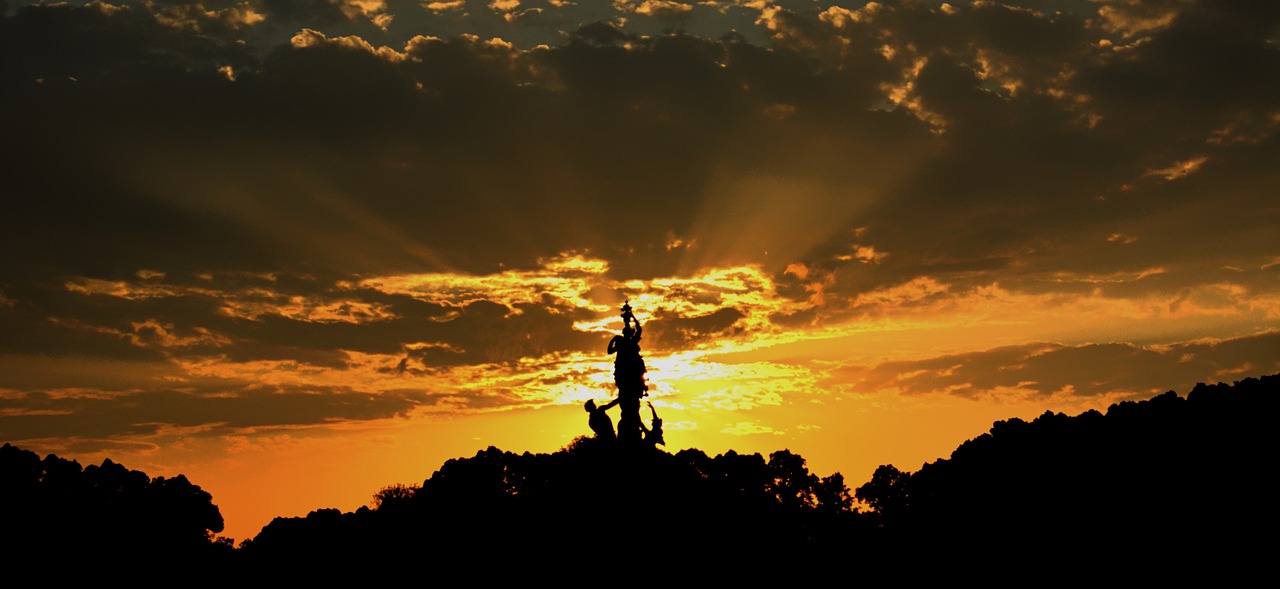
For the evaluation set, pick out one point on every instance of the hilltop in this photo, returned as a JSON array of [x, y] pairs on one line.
[[1168, 486]]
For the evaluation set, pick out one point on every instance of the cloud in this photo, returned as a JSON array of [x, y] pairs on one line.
[[749, 428], [1178, 169], [1114, 371], [438, 208], [134, 415], [667, 10], [1132, 19]]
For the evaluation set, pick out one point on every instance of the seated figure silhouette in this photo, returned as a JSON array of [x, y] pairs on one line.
[[599, 421]]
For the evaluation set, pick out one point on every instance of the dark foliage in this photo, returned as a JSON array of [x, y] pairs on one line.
[[1167, 489], [593, 506], [53, 512]]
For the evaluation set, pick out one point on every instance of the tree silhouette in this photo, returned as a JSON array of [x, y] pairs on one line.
[[396, 496], [1151, 480], [52, 509], [1161, 490], [885, 493], [792, 484]]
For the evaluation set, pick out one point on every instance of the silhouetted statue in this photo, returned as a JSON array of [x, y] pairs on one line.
[[599, 420], [628, 365], [629, 376], [653, 435]]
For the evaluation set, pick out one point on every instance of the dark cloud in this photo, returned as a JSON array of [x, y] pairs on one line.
[[669, 331], [355, 152], [449, 153], [1085, 370], [244, 318], [213, 182], [485, 332], [1043, 172], [90, 417]]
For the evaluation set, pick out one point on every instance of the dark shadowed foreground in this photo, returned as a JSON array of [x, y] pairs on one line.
[[1165, 489]]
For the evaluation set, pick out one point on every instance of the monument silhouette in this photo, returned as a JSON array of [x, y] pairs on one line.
[[629, 375]]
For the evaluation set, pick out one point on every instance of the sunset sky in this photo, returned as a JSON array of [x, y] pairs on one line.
[[299, 250]]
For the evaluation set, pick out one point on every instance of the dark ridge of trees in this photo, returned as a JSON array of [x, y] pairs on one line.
[[1167, 489], [1169, 485], [590, 507], [54, 512]]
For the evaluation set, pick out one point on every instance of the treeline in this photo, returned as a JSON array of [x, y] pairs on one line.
[[53, 511], [1160, 488], [591, 501], [1165, 487]]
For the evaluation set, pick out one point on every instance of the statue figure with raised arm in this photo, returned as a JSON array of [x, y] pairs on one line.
[[629, 376]]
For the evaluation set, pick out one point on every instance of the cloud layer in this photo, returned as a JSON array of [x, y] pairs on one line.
[[229, 217]]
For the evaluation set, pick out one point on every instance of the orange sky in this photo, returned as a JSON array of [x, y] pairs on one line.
[[298, 255]]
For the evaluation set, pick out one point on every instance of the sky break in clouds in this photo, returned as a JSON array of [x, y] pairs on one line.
[[234, 228]]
